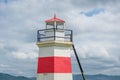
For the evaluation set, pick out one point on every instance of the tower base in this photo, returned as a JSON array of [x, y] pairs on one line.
[[54, 76]]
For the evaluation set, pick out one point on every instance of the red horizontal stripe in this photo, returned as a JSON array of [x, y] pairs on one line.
[[54, 65]]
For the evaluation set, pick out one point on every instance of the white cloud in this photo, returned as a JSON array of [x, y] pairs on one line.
[[1, 45], [21, 55], [3, 65], [93, 51]]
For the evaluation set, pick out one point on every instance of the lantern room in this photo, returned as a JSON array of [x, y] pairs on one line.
[[55, 23], [54, 31]]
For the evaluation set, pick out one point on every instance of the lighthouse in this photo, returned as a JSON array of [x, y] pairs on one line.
[[55, 43]]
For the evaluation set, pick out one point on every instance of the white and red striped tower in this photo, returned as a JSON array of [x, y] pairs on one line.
[[55, 43]]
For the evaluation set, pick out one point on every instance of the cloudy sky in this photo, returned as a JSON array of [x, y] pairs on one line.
[[95, 23]]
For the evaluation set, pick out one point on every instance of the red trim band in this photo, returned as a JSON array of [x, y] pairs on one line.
[[54, 65]]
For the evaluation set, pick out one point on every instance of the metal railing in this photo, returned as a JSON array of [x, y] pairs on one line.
[[41, 35]]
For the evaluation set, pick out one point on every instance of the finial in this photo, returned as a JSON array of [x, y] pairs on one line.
[[54, 16]]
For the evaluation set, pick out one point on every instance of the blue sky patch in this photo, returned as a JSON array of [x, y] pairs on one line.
[[3, 1], [92, 12], [6, 1]]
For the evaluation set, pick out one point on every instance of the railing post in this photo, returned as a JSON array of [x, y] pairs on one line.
[[38, 36], [54, 33], [71, 36]]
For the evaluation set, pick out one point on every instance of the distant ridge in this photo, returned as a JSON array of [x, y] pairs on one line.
[[96, 77], [4, 76]]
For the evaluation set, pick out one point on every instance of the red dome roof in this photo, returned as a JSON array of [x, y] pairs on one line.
[[55, 19]]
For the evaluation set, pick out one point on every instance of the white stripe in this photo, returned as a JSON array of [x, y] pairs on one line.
[[54, 76], [54, 51]]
